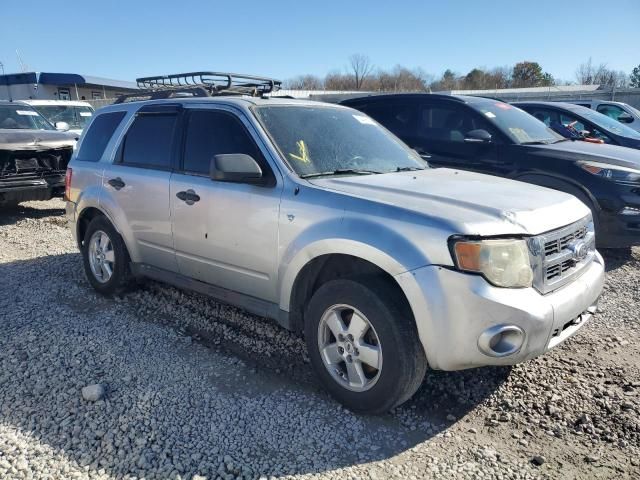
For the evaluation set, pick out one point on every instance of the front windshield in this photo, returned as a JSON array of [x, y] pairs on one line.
[[22, 117], [76, 116], [607, 123], [517, 124], [322, 140]]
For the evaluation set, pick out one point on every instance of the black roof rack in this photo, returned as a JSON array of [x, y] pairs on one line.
[[200, 84]]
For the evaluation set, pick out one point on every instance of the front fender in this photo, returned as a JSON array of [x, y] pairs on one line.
[[364, 239]]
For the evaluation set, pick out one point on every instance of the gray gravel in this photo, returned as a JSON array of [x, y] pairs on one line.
[[167, 384]]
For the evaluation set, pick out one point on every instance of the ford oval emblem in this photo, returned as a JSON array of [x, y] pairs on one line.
[[579, 249]]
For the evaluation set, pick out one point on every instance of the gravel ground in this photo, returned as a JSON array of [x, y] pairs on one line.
[[181, 387]]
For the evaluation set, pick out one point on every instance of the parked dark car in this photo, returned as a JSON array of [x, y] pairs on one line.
[[489, 136], [33, 155], [582, 120]]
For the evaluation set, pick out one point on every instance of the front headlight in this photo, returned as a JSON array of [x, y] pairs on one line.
[[611, 172], [504, 262]]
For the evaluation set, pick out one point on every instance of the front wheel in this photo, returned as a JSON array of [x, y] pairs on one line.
[[363, 346]]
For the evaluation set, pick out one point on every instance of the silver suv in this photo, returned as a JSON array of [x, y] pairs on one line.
[[317, 217]]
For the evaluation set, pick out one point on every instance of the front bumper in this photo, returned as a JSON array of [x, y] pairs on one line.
[[25, 188], [453, 310], [618, 230]]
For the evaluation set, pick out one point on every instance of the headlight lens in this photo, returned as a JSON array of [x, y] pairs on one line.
[[612, 172], [504, 263]]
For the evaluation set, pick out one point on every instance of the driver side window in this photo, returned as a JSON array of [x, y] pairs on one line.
[[448, 123], [210, 133], [572, 122], [612, 111]]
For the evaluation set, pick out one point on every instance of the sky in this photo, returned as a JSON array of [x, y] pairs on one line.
[[125, 40]]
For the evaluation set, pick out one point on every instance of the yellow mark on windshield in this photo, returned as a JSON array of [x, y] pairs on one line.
[[303, 153]]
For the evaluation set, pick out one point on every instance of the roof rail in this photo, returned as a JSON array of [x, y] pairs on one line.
[[200, 84]]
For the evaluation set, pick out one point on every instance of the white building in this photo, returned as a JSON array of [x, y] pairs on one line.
[[61, 86]]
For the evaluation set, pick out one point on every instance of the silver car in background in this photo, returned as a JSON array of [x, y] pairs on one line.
[[317, 217], [65, 115], [620, 111]]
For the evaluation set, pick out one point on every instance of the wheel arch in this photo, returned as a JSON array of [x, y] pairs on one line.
[[331, 266]]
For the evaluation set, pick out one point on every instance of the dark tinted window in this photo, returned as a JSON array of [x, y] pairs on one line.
[[572, 123], [548, 117], [214, 133], [448, 123], [98, 135], [149, 140], [399, 118]]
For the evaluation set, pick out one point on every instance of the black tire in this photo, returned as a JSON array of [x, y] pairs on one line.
[[121, 277], [404, 363]]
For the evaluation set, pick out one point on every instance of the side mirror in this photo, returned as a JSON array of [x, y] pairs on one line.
[[625, 118], [235, 168], [62, 126], [478, 136]]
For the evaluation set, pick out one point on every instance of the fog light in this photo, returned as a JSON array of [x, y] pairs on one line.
[[501, 340], [630, 211]]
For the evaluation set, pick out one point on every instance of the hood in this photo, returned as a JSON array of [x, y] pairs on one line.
[[11, 139], [578, 150], [470, 203]]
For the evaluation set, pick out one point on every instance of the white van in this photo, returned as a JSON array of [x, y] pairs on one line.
[[75, 114]]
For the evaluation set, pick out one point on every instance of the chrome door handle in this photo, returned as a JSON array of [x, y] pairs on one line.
[[116, 183], [189, 197]]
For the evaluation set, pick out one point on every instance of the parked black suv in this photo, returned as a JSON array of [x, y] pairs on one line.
[[489, 136], [559, 116]]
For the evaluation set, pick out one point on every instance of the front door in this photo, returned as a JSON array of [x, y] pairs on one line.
[[225, 234], [442, 132]]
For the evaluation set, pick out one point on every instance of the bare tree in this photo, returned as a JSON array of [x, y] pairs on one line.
[[589, 74], [339, 81], [304, 82], [361, 67]]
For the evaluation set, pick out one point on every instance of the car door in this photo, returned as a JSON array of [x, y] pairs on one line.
[[138, 182], [442, 129], [225, 234]]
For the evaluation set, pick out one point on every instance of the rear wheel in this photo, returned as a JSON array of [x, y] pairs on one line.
[[364, 347], [105, 257]]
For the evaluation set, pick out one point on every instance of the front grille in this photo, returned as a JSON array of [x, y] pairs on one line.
[[556, 245], [563, 254]]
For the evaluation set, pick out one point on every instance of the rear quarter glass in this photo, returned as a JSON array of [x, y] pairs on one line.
[[98, 136]]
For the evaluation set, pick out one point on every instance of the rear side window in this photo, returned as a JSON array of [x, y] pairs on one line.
[[149, 140], [98, 135], [212, 133]]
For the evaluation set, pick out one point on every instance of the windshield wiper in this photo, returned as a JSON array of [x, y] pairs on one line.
[[409, 169], [340, 171]]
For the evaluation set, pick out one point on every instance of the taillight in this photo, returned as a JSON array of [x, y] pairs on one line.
[[67, 184]]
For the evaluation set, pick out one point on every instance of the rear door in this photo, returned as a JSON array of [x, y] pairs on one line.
[[138, 181], [225, 234]]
